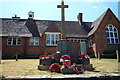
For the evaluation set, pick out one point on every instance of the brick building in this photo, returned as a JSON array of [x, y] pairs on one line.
[[36, 37]]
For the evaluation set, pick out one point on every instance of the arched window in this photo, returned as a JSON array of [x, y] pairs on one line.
[[112, 34]]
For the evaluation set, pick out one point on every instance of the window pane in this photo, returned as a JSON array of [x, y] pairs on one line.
[[72, 40], [14, 41], [52, 42], [75, 40], [10, 39], [32, 43], [48, 42], [9, 43], [110, 27], [115, 30], [112, 41], [78, 40], [36, 39], [57, 37], [116, 40], [47, 36], [36, 43], [108, 40], [18, 43], [107, 29], [111, 34], [115, 34], [19, 39], [31, 39], [52, 37], [107, 34]]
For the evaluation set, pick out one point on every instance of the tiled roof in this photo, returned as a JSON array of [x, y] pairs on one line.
[[35, 28], [96, 23], [14, 27], [52, 27]]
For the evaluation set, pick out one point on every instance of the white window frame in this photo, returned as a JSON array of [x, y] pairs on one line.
[[34, 41], [113, 32], [16, 41], [50, 39]]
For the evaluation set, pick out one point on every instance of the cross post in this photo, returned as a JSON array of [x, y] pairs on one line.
[[62, 6]]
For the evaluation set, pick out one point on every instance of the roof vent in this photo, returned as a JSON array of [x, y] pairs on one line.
[[31, 15]]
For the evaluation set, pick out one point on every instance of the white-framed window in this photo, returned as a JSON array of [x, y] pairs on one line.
[[52, 38], [90, 43], [14, 41], [112, 34], [34, 41]]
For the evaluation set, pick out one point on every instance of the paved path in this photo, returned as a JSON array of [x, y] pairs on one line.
[[65, 76]]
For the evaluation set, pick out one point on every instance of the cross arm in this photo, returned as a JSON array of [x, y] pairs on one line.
[[59, 6]]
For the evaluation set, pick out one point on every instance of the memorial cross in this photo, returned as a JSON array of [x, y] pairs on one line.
[[62, 6]]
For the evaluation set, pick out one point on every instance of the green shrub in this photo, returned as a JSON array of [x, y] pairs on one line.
[[20, 57], [109, 54]]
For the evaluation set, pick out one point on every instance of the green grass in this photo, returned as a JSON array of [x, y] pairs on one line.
[[105, 66], [22, 67], [25, 67]]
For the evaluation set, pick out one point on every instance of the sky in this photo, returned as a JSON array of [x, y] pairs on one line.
[[47, 9]]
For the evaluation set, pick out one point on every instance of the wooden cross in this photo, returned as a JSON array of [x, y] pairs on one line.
[[62, 6]]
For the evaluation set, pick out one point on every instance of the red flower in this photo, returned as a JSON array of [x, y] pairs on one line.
[[84, 55], [55, 67], [65, 57], [42, 56], [78, 70], [46, 56], [67, 63], [51, 55]]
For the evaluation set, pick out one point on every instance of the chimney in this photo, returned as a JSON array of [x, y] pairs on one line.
[[80, 18], [15, 16], [31, 15]]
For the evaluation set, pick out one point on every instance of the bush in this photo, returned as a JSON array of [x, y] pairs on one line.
[[109, 54], [20, 57]]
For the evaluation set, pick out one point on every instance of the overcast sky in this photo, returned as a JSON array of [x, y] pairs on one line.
[[47, 9]]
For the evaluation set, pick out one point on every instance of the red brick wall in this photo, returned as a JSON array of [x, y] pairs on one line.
[[100, 42], [26, 49]]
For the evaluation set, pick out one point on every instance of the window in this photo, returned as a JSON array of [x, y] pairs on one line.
[[51, 39], [14, 41], [90, 42], [112, 34], [34, 41], [77, 40]]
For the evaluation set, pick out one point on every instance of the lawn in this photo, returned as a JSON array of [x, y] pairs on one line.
[[25, 67]]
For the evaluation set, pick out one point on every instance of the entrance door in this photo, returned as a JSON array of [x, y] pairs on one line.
[[83, 46]]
